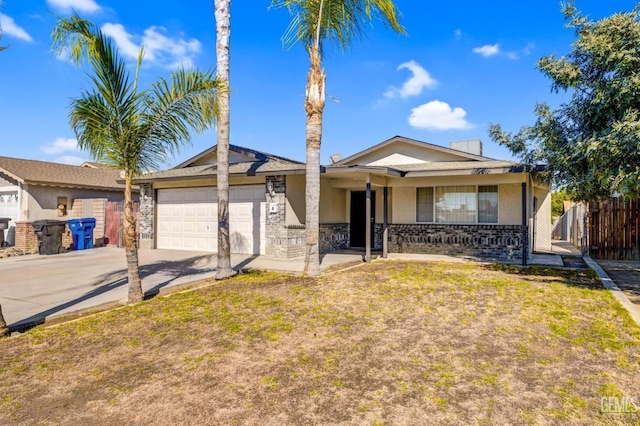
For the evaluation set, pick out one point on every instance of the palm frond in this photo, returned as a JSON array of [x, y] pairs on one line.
[[188, 102], [339, 21]]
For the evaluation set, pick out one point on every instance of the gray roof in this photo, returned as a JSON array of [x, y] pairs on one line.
[[248, 168], [258, 155], [438, 168], [54, 174], [411, 142]]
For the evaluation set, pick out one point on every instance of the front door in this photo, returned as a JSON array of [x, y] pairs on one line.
[[359, 218]]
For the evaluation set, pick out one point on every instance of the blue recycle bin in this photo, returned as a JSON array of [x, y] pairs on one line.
[[82, 232]]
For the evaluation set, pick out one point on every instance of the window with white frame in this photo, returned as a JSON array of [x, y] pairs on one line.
[[457, 204]]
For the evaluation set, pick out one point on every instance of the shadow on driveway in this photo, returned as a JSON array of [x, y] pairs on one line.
[[159, 274]]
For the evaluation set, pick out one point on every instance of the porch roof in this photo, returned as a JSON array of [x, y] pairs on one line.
[[446, 168]]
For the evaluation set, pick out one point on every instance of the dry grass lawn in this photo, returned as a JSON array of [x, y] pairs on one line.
[[391, 343]]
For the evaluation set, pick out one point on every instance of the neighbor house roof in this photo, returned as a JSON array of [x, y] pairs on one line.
[[44, 173]]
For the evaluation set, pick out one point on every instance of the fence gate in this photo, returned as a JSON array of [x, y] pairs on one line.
[[114, 213]]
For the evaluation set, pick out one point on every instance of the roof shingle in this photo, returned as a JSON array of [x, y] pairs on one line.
[[55, 174]]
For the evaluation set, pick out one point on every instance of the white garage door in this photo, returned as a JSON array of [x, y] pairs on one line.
[[188, 219]]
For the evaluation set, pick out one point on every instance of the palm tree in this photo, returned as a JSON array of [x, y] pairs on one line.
[[313, 23], [223, 32], [3, 324], [133, 130]]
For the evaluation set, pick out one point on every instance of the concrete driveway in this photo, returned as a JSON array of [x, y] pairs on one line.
[[34, 288]]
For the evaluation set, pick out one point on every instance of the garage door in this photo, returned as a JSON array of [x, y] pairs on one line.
[[188, 219]]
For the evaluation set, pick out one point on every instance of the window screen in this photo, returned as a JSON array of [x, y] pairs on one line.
[[424, 204], [456, 204], [488, 204]]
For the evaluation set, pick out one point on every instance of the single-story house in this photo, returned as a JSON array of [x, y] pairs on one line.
[[31, 190], [422, 198]]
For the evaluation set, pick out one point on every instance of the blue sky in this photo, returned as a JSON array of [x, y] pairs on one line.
[[463, 65]]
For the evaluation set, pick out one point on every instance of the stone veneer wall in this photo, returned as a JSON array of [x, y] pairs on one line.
[[146, 217], [283, 241], [334, 236], [485, 241]]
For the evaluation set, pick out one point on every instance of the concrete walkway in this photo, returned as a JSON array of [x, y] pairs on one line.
[[36, 288]]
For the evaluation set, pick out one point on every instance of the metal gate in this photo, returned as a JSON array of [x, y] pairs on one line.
[[114, 213]]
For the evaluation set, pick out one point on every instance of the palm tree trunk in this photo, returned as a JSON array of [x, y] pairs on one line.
[[314, 106], [4, 330], [223, 33], [130, 245]]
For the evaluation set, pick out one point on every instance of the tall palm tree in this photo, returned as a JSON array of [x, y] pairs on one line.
[[313, 23], [3, 324], [223, 33], [131, 129]]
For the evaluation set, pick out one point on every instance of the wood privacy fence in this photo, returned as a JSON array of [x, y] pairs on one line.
[[113, 222], [613, 229]]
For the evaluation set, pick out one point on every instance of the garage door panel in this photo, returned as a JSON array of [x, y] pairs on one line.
[[188, 219]]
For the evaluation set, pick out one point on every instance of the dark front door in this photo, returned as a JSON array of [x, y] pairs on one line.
[[359, 218]]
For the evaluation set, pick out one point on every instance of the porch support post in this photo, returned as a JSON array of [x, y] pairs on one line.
[[367, 255], [385, 231], [525, 232]]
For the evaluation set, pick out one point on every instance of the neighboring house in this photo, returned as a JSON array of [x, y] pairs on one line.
[[428, 199], [32, 190]]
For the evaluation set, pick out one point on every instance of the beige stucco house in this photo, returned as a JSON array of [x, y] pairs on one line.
[[32, 190], [416, 197]]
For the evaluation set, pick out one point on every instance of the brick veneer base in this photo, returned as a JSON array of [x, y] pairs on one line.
[[27, 240]]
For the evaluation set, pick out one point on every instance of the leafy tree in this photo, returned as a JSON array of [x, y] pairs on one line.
[[131, 129], [557, 202], [313, 23], [223, 32], [591, 143]]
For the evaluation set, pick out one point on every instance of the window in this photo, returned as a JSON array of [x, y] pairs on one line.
[[457, 204], [488, 204], [424, 204]]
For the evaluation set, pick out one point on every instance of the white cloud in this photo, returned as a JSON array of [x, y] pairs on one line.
[[10, 28], [529, 48], [122, 39], [487, 50], [61, 145], [69, 159], [65, 6], [419, 80], [159, 48], [457, 34], [438, 115]]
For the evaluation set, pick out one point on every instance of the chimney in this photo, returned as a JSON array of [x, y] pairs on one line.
[[473, 146]]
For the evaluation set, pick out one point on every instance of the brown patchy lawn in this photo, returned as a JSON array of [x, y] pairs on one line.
[[393, 343]]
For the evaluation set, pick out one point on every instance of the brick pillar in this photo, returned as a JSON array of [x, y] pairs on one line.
[[26, 239], [146, 216]]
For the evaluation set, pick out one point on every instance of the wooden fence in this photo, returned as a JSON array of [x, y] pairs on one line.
[[613, 229]]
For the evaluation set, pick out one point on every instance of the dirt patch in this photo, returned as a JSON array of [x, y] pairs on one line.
[[387, 343], [626, 275]]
